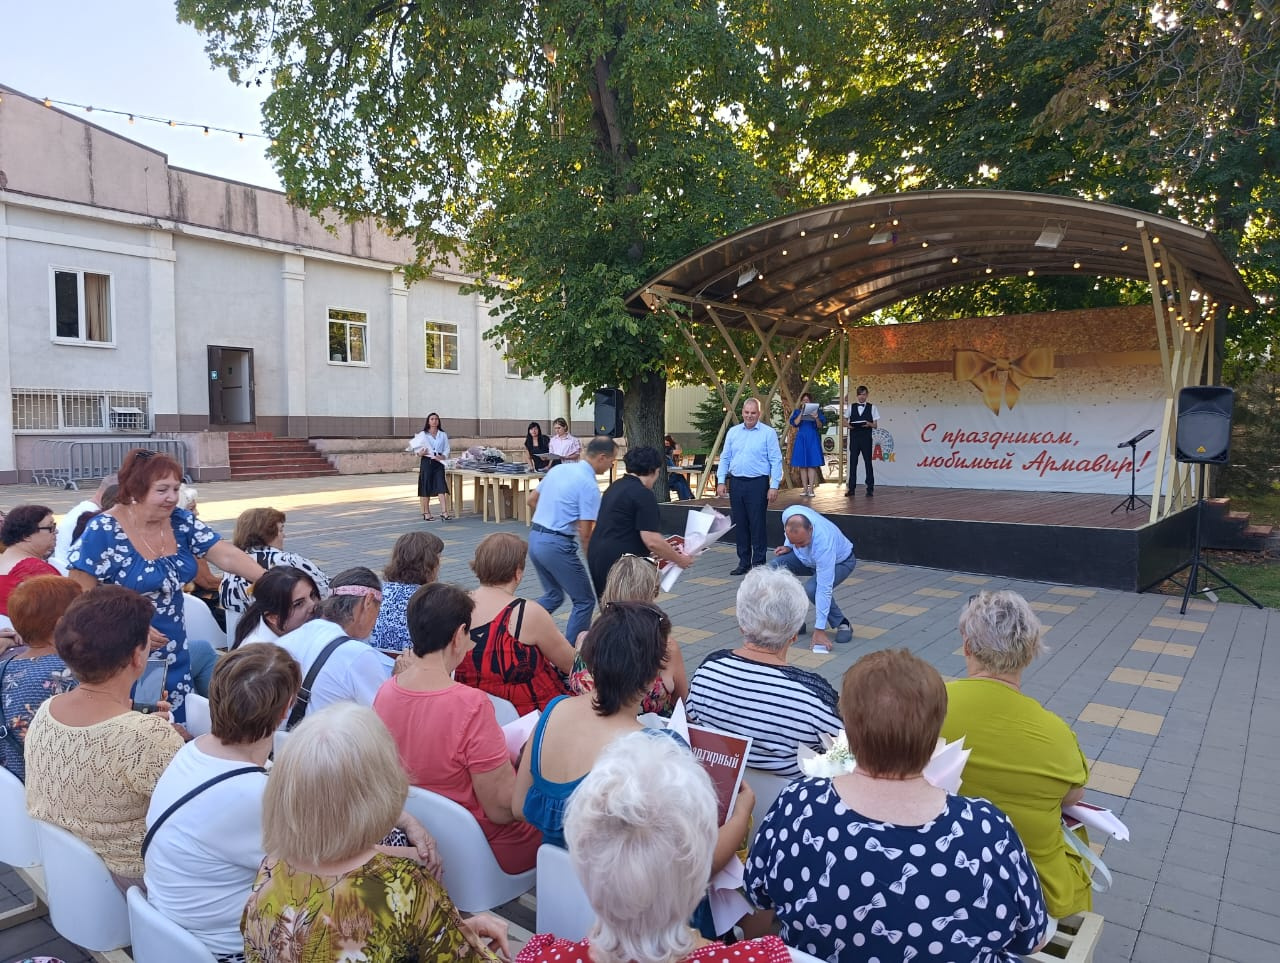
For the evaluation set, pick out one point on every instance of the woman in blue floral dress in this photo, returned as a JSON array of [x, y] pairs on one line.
[[147, 544]]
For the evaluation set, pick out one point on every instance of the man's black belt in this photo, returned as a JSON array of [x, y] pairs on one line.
[[549, 531]]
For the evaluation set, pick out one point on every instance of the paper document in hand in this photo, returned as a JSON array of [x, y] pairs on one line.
[[702, 529], [810, 411], [1097, 818], [723, 756], [517, 733]]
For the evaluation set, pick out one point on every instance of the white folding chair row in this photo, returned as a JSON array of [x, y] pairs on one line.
[[85, 905], [20, 849], [766, 786], [200, 622], [503, 709], [563, 907], [158, 939]]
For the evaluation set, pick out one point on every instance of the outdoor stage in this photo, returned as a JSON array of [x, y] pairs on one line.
[[1043, 536]]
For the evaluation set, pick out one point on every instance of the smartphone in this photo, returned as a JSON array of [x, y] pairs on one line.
[[148, 691]]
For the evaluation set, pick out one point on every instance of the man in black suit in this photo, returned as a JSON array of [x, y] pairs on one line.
[[862, 417]]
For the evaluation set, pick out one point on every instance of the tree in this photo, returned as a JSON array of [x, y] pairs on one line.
[[562, 150]]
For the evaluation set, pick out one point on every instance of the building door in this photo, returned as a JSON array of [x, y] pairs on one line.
[[230, 385]]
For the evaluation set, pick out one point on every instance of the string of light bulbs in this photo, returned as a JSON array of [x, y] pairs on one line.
[[133, 116]]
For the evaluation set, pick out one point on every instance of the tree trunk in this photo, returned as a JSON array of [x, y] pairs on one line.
[[644, 412]]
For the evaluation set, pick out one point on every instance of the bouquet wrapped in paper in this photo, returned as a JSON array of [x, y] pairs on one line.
[[944, 770], [702, 529]]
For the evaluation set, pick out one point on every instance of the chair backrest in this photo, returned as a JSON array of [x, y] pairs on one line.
[[19, 846], [198, 722], [503, 709], [200, 622], [475, 881], [232, 618], [85, 905], [766, 786], [800, 956], [563, 908], [158, 939]]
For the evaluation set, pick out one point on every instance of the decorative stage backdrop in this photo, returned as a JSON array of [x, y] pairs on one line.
[[1034, 402]]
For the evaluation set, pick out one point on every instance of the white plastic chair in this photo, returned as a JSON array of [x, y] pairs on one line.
[[20, 849], [475, 881], [85, 906], [232, 618], [200, 622], [800, 956], [198, 722], [503, 709], [158, 939], [563, 907], [766, 786]]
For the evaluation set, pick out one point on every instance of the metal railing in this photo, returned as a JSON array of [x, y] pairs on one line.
[[66, 462]]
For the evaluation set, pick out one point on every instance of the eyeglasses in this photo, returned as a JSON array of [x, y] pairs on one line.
[[644, 558], [142, 454], [46, 528]]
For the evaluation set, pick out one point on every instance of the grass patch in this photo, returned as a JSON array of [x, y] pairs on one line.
[[1263, 508], [1256, 573]]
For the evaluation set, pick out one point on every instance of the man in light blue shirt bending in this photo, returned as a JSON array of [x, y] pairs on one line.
[[814, 546], [565, 505]]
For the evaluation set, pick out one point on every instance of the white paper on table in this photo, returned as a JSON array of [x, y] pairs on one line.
[[728, 905], [702, 529], [946, 766], [1095, 817], [518, 731]]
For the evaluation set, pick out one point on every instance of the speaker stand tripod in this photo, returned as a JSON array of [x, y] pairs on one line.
[[1133, 501], [1196, 563]]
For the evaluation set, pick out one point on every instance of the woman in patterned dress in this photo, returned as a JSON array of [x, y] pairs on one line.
[[324, 893], [879, 863], [147, 544]]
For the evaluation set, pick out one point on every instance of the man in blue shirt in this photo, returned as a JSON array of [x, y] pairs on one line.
[[814, 546], [751, 464], [565, 504]]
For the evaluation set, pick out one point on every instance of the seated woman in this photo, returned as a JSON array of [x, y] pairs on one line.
[[447, 733], [642, 849], [201, 860], [535, 446], [624, 650], [1023, 758], [260, 534], [562, 443], [283, 599], [29, 675], [28, 534], [519, 653], [752, 691], [336, 789], [635, 579], [103, 641], [676, 481], [415, 561], [890, 864]]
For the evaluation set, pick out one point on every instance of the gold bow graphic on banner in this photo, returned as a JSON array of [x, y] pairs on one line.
[[983, 372]]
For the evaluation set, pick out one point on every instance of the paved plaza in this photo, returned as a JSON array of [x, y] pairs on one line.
[[1177, 714]]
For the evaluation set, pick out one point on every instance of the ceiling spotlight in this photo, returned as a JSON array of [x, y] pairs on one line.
[[748, 275], [924, 243], [1076, 265], [1052, 235]]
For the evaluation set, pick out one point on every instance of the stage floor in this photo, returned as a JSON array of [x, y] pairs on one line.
[[1073, 539], [964, 504]]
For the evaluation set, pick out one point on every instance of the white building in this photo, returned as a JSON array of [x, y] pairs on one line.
[[135, 296]]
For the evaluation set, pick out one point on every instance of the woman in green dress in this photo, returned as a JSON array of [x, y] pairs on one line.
[[1024, 758], [325, 892]]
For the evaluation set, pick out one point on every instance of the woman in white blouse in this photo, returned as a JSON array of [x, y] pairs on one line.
[[431, 445]]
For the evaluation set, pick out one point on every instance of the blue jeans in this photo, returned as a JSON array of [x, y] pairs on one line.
[[748, 504], [558, 565], [793, 564]]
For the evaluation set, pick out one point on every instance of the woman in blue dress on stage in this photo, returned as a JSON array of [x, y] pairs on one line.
[[147, 544], [806, 447]]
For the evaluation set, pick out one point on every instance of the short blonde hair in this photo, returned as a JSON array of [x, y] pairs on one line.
[[337, 788], [641, 830], [1002, 632], [631, 579]]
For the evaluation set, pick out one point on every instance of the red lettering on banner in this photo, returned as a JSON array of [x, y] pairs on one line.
[[1102, 464], [997, 439], [926, 433]]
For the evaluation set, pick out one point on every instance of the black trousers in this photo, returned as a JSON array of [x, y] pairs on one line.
[[748, 502], [860, 444]]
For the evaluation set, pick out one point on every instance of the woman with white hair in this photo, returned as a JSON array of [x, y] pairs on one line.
[[642, 848], [324, 892], [1023, 757], [752, 691]]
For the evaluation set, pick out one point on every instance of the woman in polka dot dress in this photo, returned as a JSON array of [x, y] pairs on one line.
[[878, 865]]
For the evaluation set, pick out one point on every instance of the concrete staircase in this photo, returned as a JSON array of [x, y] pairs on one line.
[[259, 454], [1232, 531]]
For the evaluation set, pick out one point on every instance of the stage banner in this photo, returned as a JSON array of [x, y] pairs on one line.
[[1035, 402]]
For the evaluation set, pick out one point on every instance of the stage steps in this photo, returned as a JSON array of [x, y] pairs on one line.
[[259, 454], [1231, 531]]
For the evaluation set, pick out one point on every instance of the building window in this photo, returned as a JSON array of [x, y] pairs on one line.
[[348, 331], [517, 370], [441, 346], [81, 306], [80, 411]]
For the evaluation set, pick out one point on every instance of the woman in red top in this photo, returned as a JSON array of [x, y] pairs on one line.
[[642, 849], [519, 655], [29, 535]]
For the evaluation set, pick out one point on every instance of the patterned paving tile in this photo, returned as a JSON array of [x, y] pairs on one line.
[[1150, 680], [896, 608], [969, 579], [1193, 605], [937, 593], [1109, 777], [687, 636], [1165, 648], [707, 580], [1184, 625], [876, 567], [1082, 593], [1148, 723], [1053, 607], [867, 631]]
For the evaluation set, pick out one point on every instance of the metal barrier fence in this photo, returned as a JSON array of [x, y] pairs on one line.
[[64, 463]]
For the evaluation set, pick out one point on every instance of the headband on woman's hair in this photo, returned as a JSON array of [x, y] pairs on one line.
[[357, 590]]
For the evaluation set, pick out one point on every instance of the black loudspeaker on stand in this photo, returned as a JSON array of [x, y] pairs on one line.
[[1204, 438], [609, 412]]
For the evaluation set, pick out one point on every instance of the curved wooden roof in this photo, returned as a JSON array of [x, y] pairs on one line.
[[831, 265]]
